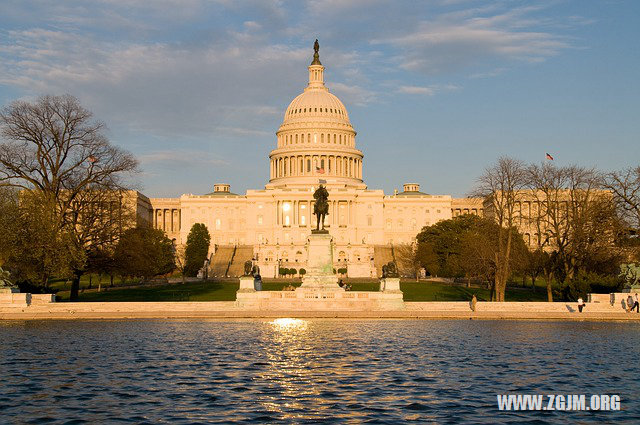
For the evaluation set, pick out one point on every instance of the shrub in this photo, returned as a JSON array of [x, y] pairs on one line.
[[585, 282]]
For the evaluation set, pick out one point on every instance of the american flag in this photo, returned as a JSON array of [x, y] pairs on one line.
[[549, 157], [319, 170]]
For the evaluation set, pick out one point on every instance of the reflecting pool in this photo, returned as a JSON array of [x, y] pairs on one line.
[[311, 371]]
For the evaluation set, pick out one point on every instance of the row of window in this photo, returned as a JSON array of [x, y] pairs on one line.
[[338, 139], [322, 109]]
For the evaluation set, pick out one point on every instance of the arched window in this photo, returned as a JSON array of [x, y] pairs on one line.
[[342, 257]]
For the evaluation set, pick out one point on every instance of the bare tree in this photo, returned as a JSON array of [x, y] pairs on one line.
[[546, 216], [181, 260], [625, 186], [55, 150], [572, 217], [502, 186]]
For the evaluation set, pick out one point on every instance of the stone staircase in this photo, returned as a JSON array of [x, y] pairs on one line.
[[242, 254], [221, 261], [382, 254]]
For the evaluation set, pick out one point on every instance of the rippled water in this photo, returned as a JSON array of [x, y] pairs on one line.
[[310, 371]]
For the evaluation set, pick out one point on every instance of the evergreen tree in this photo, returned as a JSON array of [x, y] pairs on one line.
[[197, 249]]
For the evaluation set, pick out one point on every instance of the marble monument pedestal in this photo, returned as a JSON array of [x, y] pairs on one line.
[[320, 290], [246, 284], [13, 297], [320, 274]]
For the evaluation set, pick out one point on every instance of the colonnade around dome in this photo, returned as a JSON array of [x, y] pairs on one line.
[[316, 165]]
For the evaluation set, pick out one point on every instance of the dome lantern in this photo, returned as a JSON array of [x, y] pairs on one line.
[[316, 71]]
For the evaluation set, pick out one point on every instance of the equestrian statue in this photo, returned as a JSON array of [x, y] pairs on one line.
[[320, 208]]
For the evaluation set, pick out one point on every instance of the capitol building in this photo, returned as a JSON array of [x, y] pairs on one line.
[[315, 144]]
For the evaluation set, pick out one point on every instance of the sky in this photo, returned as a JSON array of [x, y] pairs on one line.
[[437, 90]]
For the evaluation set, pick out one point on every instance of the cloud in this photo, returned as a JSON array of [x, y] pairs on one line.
[[160, 88], [474, 37], [427, 91], [416, 90], [351, 94], [180, 158]]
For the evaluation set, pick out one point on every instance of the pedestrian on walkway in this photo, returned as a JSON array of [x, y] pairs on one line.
[[635, 304], [474, 302], [581, 304]]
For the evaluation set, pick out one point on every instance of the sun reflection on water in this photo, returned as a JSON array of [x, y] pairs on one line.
[[287, 324]]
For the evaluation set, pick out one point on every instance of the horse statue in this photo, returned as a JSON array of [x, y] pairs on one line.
[[630, 273], [321, 207], [248, 267], [390, 270], [5, 282]]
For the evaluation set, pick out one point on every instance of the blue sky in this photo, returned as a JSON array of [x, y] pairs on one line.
[[437, 90]]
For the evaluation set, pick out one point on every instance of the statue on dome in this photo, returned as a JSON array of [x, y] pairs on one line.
[[316, 55], [320, 208]]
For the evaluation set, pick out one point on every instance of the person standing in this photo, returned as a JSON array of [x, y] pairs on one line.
[[630, 303], [474, 302], [635, 304], [581, 304]]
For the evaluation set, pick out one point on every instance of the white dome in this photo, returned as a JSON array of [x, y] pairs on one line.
[[316, 140], [316, 104]]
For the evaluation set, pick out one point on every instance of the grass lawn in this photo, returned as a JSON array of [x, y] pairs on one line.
[[226, 291], [192, 291], [65, 285], [437, 291]]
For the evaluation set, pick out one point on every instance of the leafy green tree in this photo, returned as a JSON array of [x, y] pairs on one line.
[[144, 252], [36, 248], [445, 240], [197, 249], [469, 246]]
